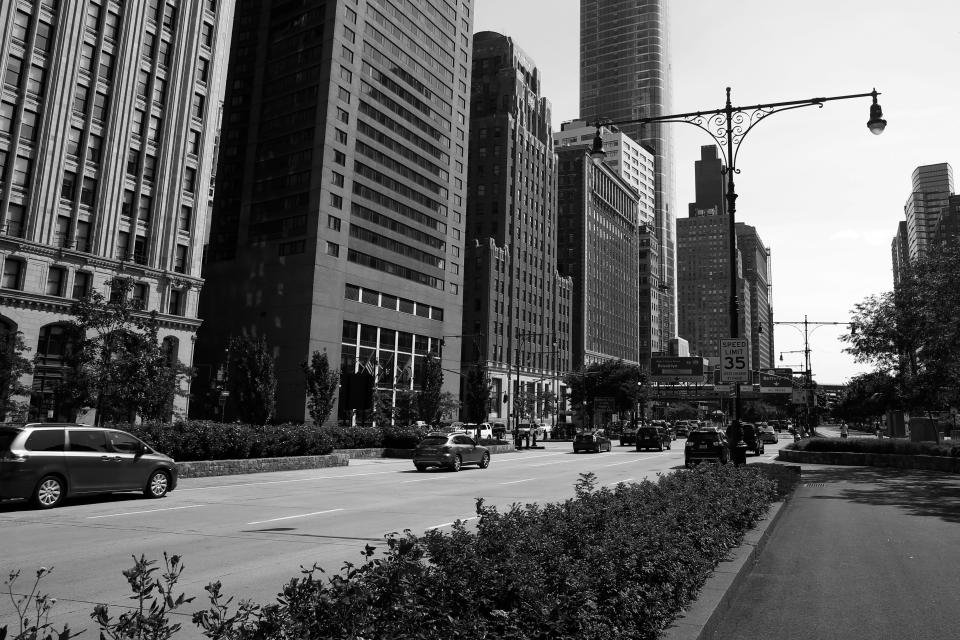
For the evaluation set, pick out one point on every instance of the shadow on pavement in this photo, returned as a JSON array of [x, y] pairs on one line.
[[920, 493]]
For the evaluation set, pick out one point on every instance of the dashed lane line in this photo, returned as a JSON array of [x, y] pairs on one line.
[[299, 515], [133, 513]]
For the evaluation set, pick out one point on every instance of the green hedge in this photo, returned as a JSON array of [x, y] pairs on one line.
[[191, 440], [876, 445], [609, 563]]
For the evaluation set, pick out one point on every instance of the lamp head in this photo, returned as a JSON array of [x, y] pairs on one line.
[[597, 152], [876, 123]]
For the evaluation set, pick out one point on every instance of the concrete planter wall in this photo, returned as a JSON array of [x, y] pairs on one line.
[[899, 461], [205, 468]]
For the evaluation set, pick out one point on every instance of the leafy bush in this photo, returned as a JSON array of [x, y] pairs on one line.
[[876, 445], [190, 440], [403, 437], [353, 437], [608, 563]]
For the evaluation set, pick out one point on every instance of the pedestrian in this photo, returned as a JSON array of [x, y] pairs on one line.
[[879, 432], [843, 430]]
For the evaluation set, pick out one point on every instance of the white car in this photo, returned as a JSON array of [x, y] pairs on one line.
[[478, 431]]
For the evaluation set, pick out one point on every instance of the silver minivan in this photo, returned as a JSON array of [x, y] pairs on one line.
[[47, 462]]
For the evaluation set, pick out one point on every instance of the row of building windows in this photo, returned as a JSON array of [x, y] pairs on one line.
[[391, 302]]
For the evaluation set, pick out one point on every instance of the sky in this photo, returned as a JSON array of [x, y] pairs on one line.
[[824, 193]]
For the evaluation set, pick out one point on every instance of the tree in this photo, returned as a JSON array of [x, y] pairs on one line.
[[322, 383], [406, 411], [868, 396], [626, 384], [251, 379], [428, 401], [913, 332], [449, 406], [115, 361], [477, 392], [13, 366]]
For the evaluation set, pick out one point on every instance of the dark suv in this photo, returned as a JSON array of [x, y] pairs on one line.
[[628, 435], [751, 435], [652, 438], [48, 462], [706, 444]]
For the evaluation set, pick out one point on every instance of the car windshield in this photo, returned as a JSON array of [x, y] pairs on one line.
[[432, 441], [704, 436]]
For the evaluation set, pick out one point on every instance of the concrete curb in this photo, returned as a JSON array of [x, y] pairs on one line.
[[700, 619]]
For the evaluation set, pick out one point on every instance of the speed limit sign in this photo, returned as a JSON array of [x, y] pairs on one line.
[[733, 360]]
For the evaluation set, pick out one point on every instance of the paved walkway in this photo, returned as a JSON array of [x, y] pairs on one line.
[[855, 553]]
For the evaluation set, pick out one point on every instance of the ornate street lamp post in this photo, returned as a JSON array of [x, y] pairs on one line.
[[728, 127]]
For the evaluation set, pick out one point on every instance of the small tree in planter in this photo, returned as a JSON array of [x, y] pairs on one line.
[[252, 379], [477, 392], [322, 385], [428, 401], [13, 365]]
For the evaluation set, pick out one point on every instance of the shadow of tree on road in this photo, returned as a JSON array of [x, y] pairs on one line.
[[920, 493]]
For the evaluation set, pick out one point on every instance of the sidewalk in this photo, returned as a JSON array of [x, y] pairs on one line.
[[854, 553]]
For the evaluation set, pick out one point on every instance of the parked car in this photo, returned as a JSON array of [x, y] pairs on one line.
[[591, 441], [704, 444], [450, 450], [767, 434], [499, 430], [651, 437], [477, 430], [48, 462], [628, 435]]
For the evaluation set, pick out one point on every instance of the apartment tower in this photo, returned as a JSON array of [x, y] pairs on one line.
[[932, 188], [338, 226], [108, 117], [625, 75], [516, 305]]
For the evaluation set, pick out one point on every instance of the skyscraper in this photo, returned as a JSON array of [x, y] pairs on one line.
[[339, 220], [108, 117], [516, 305], [597, 245], [932, 188], [625, 75], [756, 274]]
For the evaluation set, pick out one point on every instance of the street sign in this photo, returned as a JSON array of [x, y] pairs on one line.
[[733, 360], [776, 380], [677, 369]]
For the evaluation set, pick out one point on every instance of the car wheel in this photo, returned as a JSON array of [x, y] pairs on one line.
[[157, 485], [421, 467], [485, 461], [457, 463], [49, 492]]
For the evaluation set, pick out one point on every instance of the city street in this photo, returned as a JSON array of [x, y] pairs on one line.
[[253, 532]]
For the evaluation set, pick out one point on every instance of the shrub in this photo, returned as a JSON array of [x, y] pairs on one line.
[[190, 440], [403, 437], [353, 437], [876, 445]]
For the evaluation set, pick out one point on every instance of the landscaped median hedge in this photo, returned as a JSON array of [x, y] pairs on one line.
[[875, 445], [874, 452], [608, 563]]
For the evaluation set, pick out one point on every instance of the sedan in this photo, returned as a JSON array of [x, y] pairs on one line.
[[653, 438], [591, 441], [449, 450], [768, 435]]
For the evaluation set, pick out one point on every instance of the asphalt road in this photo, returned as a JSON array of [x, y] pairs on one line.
[[253, 532]]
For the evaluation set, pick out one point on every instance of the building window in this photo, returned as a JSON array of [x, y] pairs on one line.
[[143, 215], [6, 118], [203, 70], [180, 259], [333, 249], [149, 166], [28, 126], [140, 250], [123, 245], [68, 188], [197, 109], [81, 284], [21, 172], [133, 161], [21, 24], [139, 298], [14, 71], [118, 290], [83, 236], [336, 201], [340, 158], [12, 274], [80, 99], [176, 302], [343, 116], [56, 278], [337, 179], [183, 221], [15, 216], [106, 66], [189, 179], [341, 136], [333, 222], [88, 191], [36, 78], [99, 111], [206, 34], [194, 142], [63, 231]]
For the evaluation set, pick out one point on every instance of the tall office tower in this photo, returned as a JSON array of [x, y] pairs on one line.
[[516, 314], [597, 245], [900, 253], [635, 164], [339, 219], [947, 231], [624, 75], [756, 272], [932, 187], [108, 115], [703, 269]]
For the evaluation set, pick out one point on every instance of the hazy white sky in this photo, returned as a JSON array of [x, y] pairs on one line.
[[823, 192]]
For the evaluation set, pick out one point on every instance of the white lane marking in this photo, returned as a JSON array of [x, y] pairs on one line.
[[617, 464], [516, 481], [546, 464], [423, 479], [252, 484], [450, 524], [133, 513], [300, 515]]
